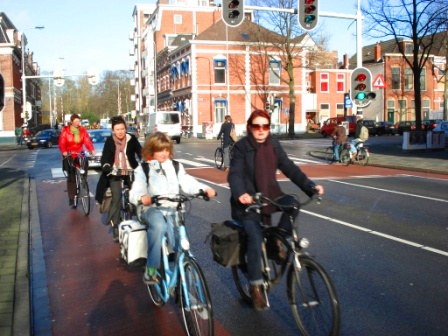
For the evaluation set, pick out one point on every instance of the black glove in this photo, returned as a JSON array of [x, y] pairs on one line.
[[107, 168]]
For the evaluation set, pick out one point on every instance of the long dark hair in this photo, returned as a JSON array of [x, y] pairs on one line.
[[256, 114]]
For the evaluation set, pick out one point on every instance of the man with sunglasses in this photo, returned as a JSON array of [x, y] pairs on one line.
[[255, 160]]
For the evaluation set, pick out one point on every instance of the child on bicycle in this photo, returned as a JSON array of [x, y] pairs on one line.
[[72, 140], [162, 179], [255, 160]]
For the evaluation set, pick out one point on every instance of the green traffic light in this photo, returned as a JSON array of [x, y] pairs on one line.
[[361, 96], [309, 18]]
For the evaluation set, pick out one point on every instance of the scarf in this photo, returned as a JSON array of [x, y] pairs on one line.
[[266, 163], [120, 160], [75, 131]]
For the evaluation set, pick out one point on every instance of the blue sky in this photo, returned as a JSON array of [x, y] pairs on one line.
[[94, 33]]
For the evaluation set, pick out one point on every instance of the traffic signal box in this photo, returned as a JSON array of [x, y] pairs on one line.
[[361, 90], [233, 12], [2, 92], [308, 13]]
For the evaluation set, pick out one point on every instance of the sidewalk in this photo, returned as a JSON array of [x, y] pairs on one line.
[[15, 224]]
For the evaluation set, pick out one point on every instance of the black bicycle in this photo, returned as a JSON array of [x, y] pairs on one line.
[[219, 154], [344, 154], [311, 293], [79, 165]]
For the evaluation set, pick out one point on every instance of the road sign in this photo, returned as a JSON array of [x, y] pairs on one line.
[[379, 82], [348, 102]]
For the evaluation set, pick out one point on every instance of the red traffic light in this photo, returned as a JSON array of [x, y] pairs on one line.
[[361, 87], [234, 4], [309, 2], [361, 78], [310, 9]]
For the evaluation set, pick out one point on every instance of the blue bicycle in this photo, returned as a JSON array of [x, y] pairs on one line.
[[180, 275]]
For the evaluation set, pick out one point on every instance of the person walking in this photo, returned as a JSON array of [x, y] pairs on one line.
[[122, 153], [162, 178], [18, 133], [255, 160], [340, 138], [224, 132], [72, 141]]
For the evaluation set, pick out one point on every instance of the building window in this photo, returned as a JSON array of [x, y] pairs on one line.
[[408, 79], [408, 48], [340, 83], [274, 72], [177, 19], [220, 70], [423, 80], [324, 82], [391, 104], [402, 104], [220, 110], [396, 78], [339, 108]]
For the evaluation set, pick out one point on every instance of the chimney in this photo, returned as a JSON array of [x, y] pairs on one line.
[[345, 61], [377, 52]]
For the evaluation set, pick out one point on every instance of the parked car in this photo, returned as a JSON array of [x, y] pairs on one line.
[[36, 129], [385, 128], [371, 126], [430, 124], [330, 124], [442, 127], [46, 138], [165, 121], [403, 126], [98, 137]]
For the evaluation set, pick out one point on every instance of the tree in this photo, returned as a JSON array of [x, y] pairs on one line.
[[416, 20], [295, 48]]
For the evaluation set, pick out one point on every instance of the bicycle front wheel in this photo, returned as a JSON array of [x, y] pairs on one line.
[[362, 157], [313, 299], [197, 310], [345, 157], [329, 155], [219, 157], [241, 280], [84, 195]]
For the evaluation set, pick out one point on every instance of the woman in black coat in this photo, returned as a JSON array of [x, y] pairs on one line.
[[119, 159], [255, 160], [225, 130]]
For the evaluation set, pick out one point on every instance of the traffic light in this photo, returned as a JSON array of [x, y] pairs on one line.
[[308, 13], [361, 91], [233, 12]]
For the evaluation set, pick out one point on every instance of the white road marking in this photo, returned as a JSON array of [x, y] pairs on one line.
[[191, 163]]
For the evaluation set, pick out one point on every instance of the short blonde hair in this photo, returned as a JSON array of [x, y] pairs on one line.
[[157, 142]]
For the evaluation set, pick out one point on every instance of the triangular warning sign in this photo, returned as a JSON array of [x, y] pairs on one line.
[[379, 82]]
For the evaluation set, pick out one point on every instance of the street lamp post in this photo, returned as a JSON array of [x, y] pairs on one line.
[[24, 73]]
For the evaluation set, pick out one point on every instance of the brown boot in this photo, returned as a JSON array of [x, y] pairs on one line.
[[258, 298]]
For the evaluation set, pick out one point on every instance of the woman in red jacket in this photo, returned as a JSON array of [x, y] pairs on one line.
[[72, 141]]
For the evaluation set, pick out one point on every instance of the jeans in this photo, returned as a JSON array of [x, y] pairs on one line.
[[353, 143], [225, 154], [336, 150], [159, 225], [255, 238], [115, 206]]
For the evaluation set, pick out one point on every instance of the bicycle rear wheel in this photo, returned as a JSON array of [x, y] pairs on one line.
[[219, 158], [313, 299], [329, 155], [197, 312], [84, 195], [363, 156]]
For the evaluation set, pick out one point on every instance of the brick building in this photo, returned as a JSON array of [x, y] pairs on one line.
[[11, 70]]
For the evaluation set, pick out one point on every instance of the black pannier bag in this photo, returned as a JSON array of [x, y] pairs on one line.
[[228, 243]]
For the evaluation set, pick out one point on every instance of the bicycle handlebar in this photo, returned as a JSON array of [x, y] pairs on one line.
[[179, 198], [262, 201]]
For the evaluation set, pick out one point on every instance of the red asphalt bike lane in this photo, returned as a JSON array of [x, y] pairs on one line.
[[92, 292]]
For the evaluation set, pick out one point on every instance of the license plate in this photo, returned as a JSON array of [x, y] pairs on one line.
[[34, 144]]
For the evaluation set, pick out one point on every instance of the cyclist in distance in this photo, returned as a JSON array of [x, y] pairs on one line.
[[162, 179], [340, 136], [225, 130], [361, 135], [72, 141], [118, 161], [255, 160]]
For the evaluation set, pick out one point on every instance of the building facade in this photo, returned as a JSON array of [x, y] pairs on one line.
[[11, 53]]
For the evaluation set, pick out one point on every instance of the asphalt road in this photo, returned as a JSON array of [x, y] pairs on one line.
[[380, 233]]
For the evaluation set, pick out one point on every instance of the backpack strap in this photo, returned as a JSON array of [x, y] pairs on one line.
[[145, 167]]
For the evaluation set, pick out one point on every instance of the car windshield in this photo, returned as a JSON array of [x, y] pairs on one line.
[[168, 118], [99, 136], [44, 133]]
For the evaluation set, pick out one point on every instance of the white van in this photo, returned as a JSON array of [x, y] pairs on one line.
[[167, 122]]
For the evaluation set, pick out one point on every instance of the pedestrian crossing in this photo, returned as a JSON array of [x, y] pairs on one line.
[[201, 162]]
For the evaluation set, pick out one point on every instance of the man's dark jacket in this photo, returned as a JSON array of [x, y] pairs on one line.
[[241, 176], [226, 127]]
